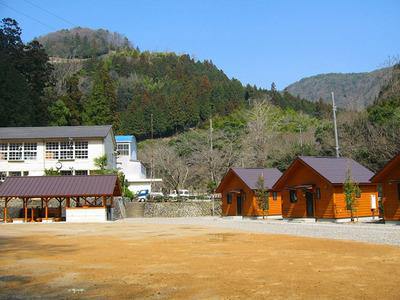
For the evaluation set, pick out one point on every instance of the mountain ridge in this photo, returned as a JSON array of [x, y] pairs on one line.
[[354, 91]]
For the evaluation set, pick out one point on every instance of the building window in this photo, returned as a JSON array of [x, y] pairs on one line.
[[3, 176], [318, 193], [25, 173], [229, 198], [3, 151], [123, 149], [81, 150], [30, 151], [52, 150], [274, 196], [293, 196], [66, 150], [15, 151], [81, 172], [66, 173], [14, 173]]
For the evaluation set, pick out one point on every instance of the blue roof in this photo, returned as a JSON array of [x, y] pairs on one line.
[[125, 138]]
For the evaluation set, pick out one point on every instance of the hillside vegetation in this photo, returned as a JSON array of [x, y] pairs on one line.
[[172, 97], [143, 92], [82, 42], [352, 91]]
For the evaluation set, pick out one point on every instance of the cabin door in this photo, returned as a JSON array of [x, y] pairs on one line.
[[239, 204], [310, 204]]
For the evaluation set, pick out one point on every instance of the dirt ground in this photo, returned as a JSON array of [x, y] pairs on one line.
[[146, 261]]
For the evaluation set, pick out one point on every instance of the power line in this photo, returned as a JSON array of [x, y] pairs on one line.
[[51, 13], [28, 16]]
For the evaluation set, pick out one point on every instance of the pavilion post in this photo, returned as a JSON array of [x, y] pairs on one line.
[[60, 200], [67, 202], [104, 201], [25, 209], [5, 210], [112, 201], [46, 212], [32, 214]]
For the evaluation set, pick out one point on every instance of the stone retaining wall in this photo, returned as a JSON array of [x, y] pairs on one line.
[[181, 209]]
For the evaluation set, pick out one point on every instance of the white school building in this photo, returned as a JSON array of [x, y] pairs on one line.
[[29, 151]]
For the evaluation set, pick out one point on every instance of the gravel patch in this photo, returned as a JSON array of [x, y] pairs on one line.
[[363, 232]]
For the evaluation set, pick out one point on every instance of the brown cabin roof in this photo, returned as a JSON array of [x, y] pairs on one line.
[[386, 168], [250, 176], [333, 169], [60, 186]]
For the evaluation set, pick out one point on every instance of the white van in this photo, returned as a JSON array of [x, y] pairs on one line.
[[182, 193]]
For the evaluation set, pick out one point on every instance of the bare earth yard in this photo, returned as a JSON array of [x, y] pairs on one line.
[[145, 260]]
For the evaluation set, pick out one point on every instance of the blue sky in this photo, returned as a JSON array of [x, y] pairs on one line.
[[258, 42]]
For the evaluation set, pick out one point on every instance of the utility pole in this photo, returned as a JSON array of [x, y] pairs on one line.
[[211, 163], [301, 138], [335, 125], [152, 153]]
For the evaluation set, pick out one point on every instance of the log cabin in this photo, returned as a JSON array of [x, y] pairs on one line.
[[389, 179], [238, 189], [312, 187]]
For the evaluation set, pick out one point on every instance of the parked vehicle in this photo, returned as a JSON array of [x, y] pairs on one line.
[[143, 195], [156, 194], [182, 193]]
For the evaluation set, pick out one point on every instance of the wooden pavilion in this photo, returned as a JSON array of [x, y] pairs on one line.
[[97, 191]]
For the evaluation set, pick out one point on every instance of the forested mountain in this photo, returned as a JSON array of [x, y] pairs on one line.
[[82, 42], [352, 90], [139, 91]]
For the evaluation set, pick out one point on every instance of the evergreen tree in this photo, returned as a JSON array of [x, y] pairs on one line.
[[59, 114], [99, 108]]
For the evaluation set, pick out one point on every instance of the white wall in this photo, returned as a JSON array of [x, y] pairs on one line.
[[36, 167], [89, 214]]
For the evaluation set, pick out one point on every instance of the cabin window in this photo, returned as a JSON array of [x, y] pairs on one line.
[[318, 193], [293, 196], [274, 196], [380, 193], [229, 198]]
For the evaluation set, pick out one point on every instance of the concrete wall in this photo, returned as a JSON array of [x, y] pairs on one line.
[[181, 209]]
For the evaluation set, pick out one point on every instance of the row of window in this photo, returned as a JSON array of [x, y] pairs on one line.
[[67, 150], [18, 151], [4, 174], [54, 150]]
